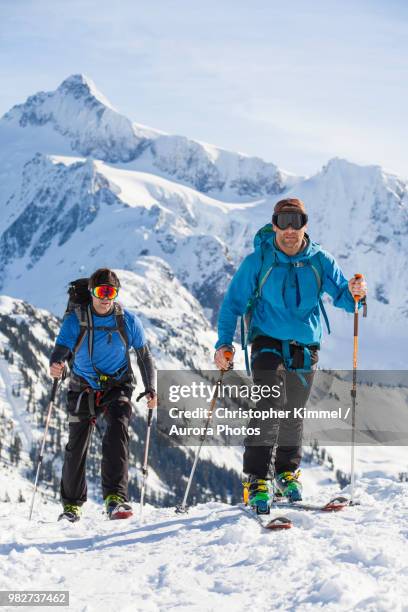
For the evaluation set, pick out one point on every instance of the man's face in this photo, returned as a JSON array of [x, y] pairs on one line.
[[102, 304], [290, 240]]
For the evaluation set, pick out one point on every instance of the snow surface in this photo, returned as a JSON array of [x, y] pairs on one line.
[[215, 556]]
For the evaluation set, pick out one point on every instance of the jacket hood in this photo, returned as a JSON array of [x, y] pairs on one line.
[[266, 238]]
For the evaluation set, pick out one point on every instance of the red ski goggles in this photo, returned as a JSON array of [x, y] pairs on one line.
[[283, 219], [103, 292]]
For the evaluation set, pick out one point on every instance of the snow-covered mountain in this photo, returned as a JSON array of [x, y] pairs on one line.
[[91, 213], [82, 186], [77, 118]]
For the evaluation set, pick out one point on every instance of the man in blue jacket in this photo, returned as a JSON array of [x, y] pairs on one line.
[[277, 290], [97, 339]]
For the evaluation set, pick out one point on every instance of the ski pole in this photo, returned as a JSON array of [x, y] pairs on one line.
[[182, 509], [353, 392], [146, 454], [47, 422], [144, 468]]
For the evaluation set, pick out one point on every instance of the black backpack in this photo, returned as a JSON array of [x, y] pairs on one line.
[[78, 295], [79, 302]]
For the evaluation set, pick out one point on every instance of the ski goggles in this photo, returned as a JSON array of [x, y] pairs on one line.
[[103, 292], [283, 219]]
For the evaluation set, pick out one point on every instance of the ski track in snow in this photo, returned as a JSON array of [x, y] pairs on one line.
[[215, 556]]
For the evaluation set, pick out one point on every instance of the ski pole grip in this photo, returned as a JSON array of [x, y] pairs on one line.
[[229, 355], [357, 276], [149, 417], [141, 395], [54, 389]]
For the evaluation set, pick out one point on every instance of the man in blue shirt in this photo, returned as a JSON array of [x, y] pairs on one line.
[[96, 338], [277, 290]]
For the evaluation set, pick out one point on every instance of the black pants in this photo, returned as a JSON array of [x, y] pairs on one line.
[[117, 409], [279, 447]]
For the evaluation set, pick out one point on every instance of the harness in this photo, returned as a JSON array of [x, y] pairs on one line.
[[85, 319], [246, 319], [96, 398], [285, 354]]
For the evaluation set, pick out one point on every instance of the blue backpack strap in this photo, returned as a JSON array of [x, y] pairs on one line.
[[247, 316], [264, 279], [266, 350], [324, 313], [285, 354], [319, 283], [307, 365], [307, 359], [288, 360]]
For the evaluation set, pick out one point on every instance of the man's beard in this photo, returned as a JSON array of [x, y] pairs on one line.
[[291, 243]]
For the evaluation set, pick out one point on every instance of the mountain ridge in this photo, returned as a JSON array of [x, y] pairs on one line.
[[195, 208], [77, 111]]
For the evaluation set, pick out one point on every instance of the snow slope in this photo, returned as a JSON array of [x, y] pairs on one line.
[[216, 556]]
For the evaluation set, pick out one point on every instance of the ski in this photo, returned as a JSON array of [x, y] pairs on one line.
[[275, 523], [121, 511], [334, 505], [121, 514]]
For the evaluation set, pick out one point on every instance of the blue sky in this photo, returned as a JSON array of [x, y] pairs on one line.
[[295, 84]]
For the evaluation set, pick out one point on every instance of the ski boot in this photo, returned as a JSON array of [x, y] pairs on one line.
[[287, 485], [71, 513], [257, 495], [117, 508]]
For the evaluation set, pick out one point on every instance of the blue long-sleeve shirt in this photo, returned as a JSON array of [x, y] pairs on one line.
[[109, 352], [289, 305]]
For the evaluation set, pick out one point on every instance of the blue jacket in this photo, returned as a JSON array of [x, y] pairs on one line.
[[288, 308], [109, 353]]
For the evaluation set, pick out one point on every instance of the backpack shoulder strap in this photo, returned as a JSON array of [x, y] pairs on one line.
[[83, 320], [246, 318], [264, 274], [319, 278], [316, 264], [120, 323]]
